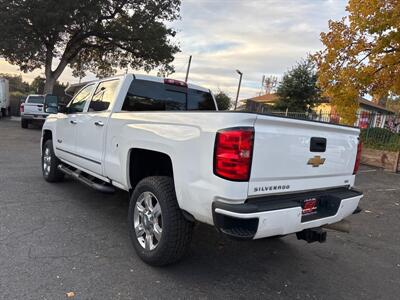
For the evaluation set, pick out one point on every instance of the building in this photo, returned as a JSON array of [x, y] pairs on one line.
[[260, 103]]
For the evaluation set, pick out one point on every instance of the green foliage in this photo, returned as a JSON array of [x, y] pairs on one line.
[[17, 94], [37, 85], [223, 101], [380, 138], [20, 88], [393, 103], [298, 91], [98, 36]]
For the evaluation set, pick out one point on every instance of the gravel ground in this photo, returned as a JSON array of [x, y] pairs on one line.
[[60, 238]]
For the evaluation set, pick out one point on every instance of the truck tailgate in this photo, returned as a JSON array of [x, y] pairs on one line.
[[289, 155], [33, 109]]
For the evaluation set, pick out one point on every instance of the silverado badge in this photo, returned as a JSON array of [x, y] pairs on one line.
[[316, 161]]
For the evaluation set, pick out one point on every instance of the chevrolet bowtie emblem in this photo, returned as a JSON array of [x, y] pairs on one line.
[[316, 161]]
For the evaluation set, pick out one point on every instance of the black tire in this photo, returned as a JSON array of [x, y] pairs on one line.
[[176, 230], [51, 174], [24, 123]]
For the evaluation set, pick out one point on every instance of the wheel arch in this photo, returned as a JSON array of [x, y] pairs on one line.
[[46, 135], [143, 163]]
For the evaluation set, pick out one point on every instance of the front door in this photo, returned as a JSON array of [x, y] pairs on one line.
[[92, 125], [65, 131], [66, 128]]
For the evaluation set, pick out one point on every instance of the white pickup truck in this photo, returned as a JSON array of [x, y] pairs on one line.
[[165, 142], [36, 108]]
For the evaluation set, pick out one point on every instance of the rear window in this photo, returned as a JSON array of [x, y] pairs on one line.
[[155, 96], [35, 99]]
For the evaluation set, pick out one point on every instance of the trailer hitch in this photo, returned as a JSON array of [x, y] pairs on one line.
[[312, 235]]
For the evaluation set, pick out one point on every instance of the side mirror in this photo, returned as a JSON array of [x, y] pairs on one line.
[[51, 104], [62, 108]]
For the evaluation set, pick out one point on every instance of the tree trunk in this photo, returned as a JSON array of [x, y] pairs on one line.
[[49, 84], [52, 76]]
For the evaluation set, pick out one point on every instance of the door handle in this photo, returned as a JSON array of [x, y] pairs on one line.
[[73, 122], [99, 123]]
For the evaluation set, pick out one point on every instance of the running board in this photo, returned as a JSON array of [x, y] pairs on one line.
[[78, 175]]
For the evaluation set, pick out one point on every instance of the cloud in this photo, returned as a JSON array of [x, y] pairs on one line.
[[256, 36], [264, 37]]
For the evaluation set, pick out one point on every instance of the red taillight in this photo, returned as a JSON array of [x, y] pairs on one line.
[[233, 153], [175, 82], [21, 108], [358, 158]]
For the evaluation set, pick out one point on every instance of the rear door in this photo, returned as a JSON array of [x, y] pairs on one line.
[[92, 124], [293, 155]]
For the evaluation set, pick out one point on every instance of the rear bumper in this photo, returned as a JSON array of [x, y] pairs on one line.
[[279, 215], [34, 117]]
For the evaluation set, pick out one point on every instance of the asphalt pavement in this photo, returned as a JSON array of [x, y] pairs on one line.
[[66, 238]]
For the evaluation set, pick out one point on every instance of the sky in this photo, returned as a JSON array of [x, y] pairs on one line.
[[258, 37]]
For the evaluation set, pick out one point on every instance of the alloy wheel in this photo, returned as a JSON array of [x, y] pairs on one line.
[[148, 221], [46, 161]]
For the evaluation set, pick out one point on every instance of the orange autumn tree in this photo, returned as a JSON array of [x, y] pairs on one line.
[[361, 55]]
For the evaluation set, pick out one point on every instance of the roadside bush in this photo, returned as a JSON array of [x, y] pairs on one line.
[[380, 138]]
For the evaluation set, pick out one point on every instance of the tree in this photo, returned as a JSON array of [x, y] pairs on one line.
[[223, 100], [361, 55], [393, 103], [37, 85], [270, 83], [298, 91], [88, 35]]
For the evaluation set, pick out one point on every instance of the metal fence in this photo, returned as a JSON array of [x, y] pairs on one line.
[[380, 138], [364, 119]]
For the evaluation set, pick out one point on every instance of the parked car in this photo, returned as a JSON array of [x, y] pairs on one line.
[[36, 108], [4, 98], [182, 161]]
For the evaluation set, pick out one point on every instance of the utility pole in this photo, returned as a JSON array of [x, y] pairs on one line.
[[188, 68], [262, 85], [240, 82]]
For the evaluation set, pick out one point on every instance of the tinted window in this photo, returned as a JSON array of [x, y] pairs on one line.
[[36, 99], [198, 100], [155, 96], [77, 104], [148, 95], [104, 95]]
